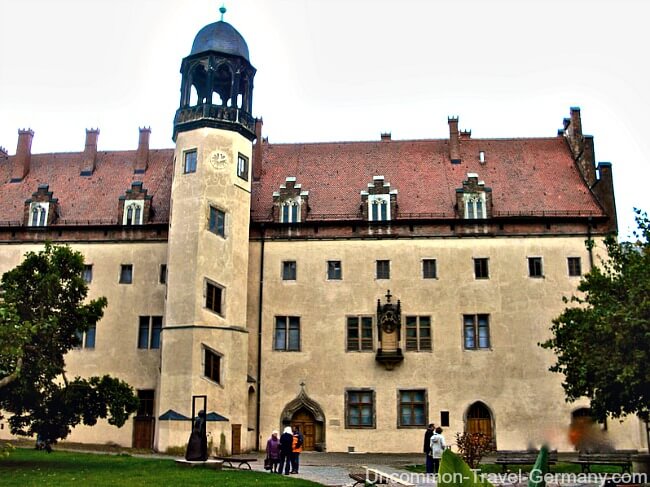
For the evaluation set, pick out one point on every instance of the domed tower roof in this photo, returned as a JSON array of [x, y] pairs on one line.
[[220, 37]]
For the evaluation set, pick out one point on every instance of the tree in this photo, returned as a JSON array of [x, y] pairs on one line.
[[603, 343], [42, 313]]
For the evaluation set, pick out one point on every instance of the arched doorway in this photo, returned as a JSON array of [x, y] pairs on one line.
[[479, 420], [307, 414]]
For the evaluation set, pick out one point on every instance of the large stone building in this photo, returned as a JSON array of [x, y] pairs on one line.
[[358, 289]]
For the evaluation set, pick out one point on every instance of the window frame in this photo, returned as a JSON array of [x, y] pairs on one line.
[[431, 263], [38, 214], [289, 270], [149, 332], [476, 332], [535, 267], [334, 273], [190, 166], [419, 338], [379, 208], [359, 404], [87, 273], [210, 297], [209, 357], [123, 274], [287, 345], [215, 216], [572, 269], [382, 273], [242, 160], [363, 343], [481, 267], [133, 214], [424, 404]]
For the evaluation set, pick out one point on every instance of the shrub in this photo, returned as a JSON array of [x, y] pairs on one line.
[[473, 446]]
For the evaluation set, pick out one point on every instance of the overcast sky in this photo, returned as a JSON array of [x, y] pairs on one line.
[[340, 70]]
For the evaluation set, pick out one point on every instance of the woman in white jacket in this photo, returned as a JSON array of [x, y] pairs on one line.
[[438, 445]]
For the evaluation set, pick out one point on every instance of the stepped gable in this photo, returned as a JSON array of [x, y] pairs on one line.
[[527, 176], [87, 199]]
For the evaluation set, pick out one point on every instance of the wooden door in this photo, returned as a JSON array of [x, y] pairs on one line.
[[143, 428], [307, 424], [479, 420], [236, 439]]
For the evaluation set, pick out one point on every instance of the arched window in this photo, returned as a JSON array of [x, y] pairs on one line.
[[133, 210], [38, 215], [290, 212], [379, 210]]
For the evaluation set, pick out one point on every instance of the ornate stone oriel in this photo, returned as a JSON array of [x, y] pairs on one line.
[[389, 324]]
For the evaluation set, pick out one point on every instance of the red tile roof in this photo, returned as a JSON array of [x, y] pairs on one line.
[[527, 176]]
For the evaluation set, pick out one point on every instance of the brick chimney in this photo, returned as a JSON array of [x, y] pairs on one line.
[[142, 154], [604, 191], [90, 152], [257, 150], [3, 153], [582, 147], [386, 136], [454, 140], [23, 157]]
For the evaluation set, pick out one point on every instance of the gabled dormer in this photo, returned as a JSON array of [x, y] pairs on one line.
[[41, 209], [290, 203], [379, 202], [474, 200], [134, 206]]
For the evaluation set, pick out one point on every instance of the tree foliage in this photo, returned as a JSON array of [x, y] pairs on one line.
[[43, 310], [602, 343], [472, 447]]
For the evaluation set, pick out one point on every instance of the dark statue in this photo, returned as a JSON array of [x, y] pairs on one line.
[[197, 447]]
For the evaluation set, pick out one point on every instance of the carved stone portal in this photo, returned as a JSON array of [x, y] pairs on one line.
[[389, 324]]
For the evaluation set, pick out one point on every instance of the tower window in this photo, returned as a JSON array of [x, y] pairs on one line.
[[214, 298], [212, 365], [217, 222], [242, 167], [189, 161]]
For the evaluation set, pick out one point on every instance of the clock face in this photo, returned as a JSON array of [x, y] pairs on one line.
[[218, 159]]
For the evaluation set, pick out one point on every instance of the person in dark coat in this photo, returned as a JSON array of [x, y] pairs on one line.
[[286, 447], [197, 446], [427, 448], [273, 452]]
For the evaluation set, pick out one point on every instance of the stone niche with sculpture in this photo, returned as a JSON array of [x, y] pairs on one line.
[[389, 329]]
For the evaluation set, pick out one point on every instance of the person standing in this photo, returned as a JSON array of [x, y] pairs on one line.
[[296, 449], [286, 445], [273, 452], [428, 459], [438, 446]]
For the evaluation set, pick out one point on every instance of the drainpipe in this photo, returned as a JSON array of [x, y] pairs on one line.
[[259, 346]]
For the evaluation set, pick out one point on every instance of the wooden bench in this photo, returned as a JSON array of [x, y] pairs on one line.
[[522, 457], [621, 458], [241, 461]]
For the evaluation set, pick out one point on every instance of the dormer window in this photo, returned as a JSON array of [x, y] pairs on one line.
[[291, 203], [290, 212], [379, 202], [474, 199], [379, 207], [38, 214], [133, 210], [474, 206]]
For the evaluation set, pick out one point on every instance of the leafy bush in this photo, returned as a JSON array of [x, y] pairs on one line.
[[473, 446]]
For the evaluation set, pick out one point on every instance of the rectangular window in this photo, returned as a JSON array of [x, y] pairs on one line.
[[149, 330], [476, 332], [287, 333], [418, 333], [162, 278], [334, 272], [145, 405], [412, 408], [88, 273], [289, 270], [535, 267], [212, 369], [429, 269], [575, 268], [89, 340], [383, 269], [360, 409], [444, 418], [242, 167], [359, 333], [481, 268], [213, 297], [217, 222], [126, 273], [189, 161]]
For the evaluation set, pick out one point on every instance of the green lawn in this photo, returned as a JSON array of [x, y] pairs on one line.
[[560, 467], [35, 468]]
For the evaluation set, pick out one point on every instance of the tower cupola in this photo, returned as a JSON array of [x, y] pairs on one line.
[[217, 83]]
